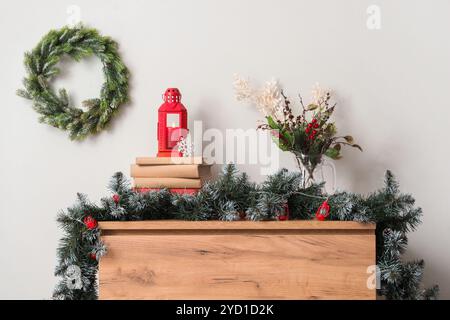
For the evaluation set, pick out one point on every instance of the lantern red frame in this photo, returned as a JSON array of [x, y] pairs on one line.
[[170, 133]]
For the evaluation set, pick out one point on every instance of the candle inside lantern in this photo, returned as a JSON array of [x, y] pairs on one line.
[[174, 136]]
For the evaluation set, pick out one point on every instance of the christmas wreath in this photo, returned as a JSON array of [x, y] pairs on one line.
[[232, 197], [55, 108]]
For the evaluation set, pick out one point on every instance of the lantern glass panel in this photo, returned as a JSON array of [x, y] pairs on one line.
[[173, 120]]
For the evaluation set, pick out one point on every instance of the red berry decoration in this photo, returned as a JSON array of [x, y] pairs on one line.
[[316, 125], [314, 132], [314, 120], [307, 130], [92, 256], [275, 133], [90, 222], [323, 211], [116, 198]]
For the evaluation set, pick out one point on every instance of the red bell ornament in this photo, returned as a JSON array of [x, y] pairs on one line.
[[285, 214], [323, 211], [90, 222], [172, 123]]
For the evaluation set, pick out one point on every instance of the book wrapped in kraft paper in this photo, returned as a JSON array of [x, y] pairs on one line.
[[170, 171], [167, 183], [144, 161], [172, 190]]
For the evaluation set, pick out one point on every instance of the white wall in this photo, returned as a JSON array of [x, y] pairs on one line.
[[392, 87]]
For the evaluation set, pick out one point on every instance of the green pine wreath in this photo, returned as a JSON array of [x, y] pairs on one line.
[[55, 108]]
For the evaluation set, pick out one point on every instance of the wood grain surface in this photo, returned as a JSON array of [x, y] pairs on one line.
[[236, 260], [234, 225]]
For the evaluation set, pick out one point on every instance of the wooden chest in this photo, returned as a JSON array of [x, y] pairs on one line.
[[169, 259]]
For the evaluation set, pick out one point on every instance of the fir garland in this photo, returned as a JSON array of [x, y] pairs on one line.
[[55, 108], [231, 197]]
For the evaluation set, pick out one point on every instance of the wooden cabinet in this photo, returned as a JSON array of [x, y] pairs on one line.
[[169, 259]]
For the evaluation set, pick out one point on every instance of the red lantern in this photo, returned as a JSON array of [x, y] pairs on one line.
[[172, 123]]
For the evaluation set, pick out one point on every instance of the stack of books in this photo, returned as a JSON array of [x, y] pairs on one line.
[[180, 175]]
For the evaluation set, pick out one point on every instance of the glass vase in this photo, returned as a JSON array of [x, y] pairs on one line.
[[316, 170]]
